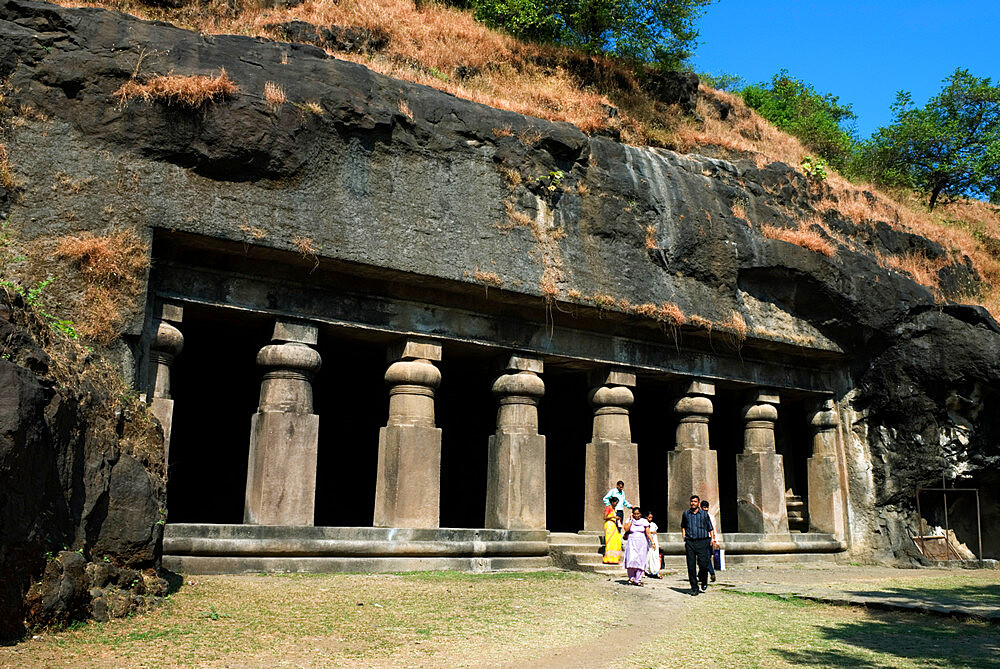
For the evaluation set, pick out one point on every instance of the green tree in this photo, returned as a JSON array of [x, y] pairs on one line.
[[950, 146], [647, 31], [819, 120]]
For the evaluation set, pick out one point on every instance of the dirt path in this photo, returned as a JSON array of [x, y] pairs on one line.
[[649, 611]]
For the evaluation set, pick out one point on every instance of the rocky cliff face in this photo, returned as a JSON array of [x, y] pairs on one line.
[[358, 168], [80, 496]]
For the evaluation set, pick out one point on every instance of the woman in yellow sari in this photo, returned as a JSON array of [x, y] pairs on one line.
[[612, 537]]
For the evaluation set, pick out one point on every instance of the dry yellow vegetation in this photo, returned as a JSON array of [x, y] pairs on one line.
[[445, 48]]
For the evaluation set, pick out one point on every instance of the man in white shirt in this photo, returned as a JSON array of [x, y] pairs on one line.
[[618, 492]]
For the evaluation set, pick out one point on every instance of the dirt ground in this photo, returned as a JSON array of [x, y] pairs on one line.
[[540, 619]]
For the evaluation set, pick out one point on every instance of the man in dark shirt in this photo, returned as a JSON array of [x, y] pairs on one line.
[[697, 529]]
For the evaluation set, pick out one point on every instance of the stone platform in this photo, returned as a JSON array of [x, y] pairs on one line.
[[234, 549]]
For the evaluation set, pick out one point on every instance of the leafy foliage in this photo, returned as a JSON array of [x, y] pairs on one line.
[[950, 146], [815, 118], [661, 32]]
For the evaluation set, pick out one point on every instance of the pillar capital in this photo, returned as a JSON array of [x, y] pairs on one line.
[[824, 415], [760, 415], [414, 348], [611, 376], [694, 408]]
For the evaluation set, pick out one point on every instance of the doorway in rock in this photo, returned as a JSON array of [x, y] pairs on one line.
[[352, 402], [792, 441], [566, 419], [466, 412], [725, 430], [216, 387], [654, 430]]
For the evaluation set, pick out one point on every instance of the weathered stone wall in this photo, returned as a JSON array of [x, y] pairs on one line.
[[81, 485], [400, 178]]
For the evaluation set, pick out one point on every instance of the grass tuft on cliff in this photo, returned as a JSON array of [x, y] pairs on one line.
[[445, 48]]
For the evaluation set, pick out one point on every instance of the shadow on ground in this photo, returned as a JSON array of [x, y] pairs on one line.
[[933, 642], [979, 595]]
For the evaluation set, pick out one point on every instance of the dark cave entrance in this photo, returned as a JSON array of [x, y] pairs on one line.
[[792, 441], [725, 430], [566, 419], [466, 412], [654, 429], [352, 402], [216, 387]]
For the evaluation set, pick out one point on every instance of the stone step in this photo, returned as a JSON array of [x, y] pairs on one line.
[[571, 539], [198, 564]]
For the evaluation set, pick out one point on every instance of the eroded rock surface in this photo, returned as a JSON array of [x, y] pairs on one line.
[[70, 479]]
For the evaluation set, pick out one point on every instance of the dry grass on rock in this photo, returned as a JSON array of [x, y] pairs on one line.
[[112, 268], [187, 90], [806, 238]]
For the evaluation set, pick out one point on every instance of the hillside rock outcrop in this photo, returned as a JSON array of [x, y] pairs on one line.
[[380, 173], [80, 500]]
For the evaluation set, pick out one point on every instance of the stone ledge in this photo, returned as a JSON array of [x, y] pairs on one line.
[[754, 544], [190, 564], [390, 534], [353, 542]]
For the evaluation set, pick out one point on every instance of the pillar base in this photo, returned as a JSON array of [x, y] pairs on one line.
[[607, 463], [408, 487], [826, 505], [515, 482], [281, 478], [691, 471], [760, 493]]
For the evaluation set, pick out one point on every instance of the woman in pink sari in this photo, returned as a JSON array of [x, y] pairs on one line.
[[637, 547]]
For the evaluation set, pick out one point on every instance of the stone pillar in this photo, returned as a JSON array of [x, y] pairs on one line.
[[284, 433], [760, 474], [611, 455], [826, 503], [515, 475], [408, 486], [167, 343], [692, 467]]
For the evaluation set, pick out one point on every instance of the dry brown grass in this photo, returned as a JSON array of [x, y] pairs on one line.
[[700, 322], [739, 211], [404, 109], [806, 238], [188, 90], [489, 278], [734, 325], [113, 268], [650, 236], [274, 94], [252, 231], [7, 179], [603, 300]]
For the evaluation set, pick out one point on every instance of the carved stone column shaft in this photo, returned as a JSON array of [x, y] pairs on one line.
[[760, 474], [826, 503], [515, 476], [284, 433], [692, 467], [408, 484], [166, 344], [610, 456]]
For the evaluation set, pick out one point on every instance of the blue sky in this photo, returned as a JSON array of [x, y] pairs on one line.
[[862, 52]]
